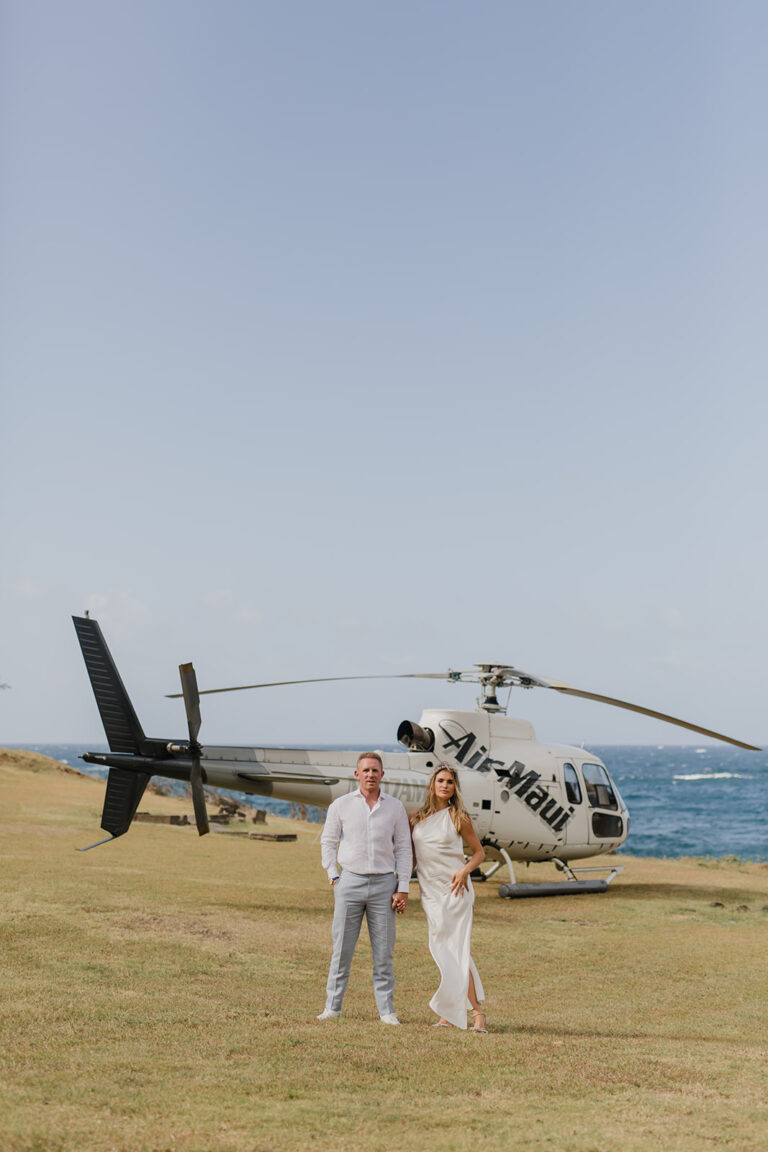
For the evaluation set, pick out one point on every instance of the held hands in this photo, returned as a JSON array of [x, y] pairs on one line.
[[459, 882]]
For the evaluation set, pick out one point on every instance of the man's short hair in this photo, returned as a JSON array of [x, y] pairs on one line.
[[370, 756]]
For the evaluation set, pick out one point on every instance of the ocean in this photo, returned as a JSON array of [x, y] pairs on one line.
[[683, 801]]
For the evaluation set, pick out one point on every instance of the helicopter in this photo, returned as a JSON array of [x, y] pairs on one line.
[[529, 802]]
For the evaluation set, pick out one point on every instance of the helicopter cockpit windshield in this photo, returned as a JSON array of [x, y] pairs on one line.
[[600, 790], [606, 822]]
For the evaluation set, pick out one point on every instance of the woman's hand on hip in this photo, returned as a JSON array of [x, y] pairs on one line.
[[459, 882]]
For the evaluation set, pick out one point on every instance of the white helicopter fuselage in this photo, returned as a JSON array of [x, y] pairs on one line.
[[527, 801], [531, 800]]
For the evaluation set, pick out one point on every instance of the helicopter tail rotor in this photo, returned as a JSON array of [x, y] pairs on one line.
[[192, 705]]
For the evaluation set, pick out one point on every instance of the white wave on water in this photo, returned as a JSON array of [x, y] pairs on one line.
[[712, 776]]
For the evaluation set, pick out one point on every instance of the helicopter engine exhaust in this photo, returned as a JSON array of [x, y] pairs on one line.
[[415, 738]]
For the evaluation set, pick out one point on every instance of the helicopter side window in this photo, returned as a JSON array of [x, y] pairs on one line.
[[572, 786], [598, 785]]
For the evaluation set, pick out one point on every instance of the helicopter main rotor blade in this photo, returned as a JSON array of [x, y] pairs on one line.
[[494, 676], [189, 691], [567, 690], [323, 680]]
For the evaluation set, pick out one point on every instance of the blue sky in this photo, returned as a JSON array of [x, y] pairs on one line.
[[355, 337]]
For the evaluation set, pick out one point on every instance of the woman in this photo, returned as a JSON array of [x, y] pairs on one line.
[[440, 828]]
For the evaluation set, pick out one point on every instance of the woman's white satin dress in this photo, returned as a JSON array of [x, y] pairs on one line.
[[439, 853]]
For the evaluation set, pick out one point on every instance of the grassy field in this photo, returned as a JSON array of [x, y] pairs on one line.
[[160, 993]]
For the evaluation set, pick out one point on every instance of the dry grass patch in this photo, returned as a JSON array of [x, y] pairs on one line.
[[160, 993]]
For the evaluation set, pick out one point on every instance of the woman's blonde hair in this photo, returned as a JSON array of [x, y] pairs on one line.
[[430, 805]]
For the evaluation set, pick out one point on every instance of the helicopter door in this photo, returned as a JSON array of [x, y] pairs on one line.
[[605, 821], [574, 829], [479, 791]]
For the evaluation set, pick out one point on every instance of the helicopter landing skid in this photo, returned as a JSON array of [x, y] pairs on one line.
[[572, 886]]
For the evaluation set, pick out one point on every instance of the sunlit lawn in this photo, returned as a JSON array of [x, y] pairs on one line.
[[160, 993]]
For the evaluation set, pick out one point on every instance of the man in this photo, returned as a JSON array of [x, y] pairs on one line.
[[367, 833]]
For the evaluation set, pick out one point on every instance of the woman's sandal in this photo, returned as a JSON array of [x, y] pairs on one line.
[[479, 1026], [441, 1024]]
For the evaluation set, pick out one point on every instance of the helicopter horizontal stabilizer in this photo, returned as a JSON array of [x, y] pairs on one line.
[[290, 777]]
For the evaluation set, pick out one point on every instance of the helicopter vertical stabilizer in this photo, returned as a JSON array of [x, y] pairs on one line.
[[124, 733], [124, 792], [121, 724]]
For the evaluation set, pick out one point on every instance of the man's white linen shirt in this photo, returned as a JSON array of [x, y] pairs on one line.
[[367, 840]]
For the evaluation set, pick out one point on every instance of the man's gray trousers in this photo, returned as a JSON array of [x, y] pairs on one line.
[[356, 895]]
